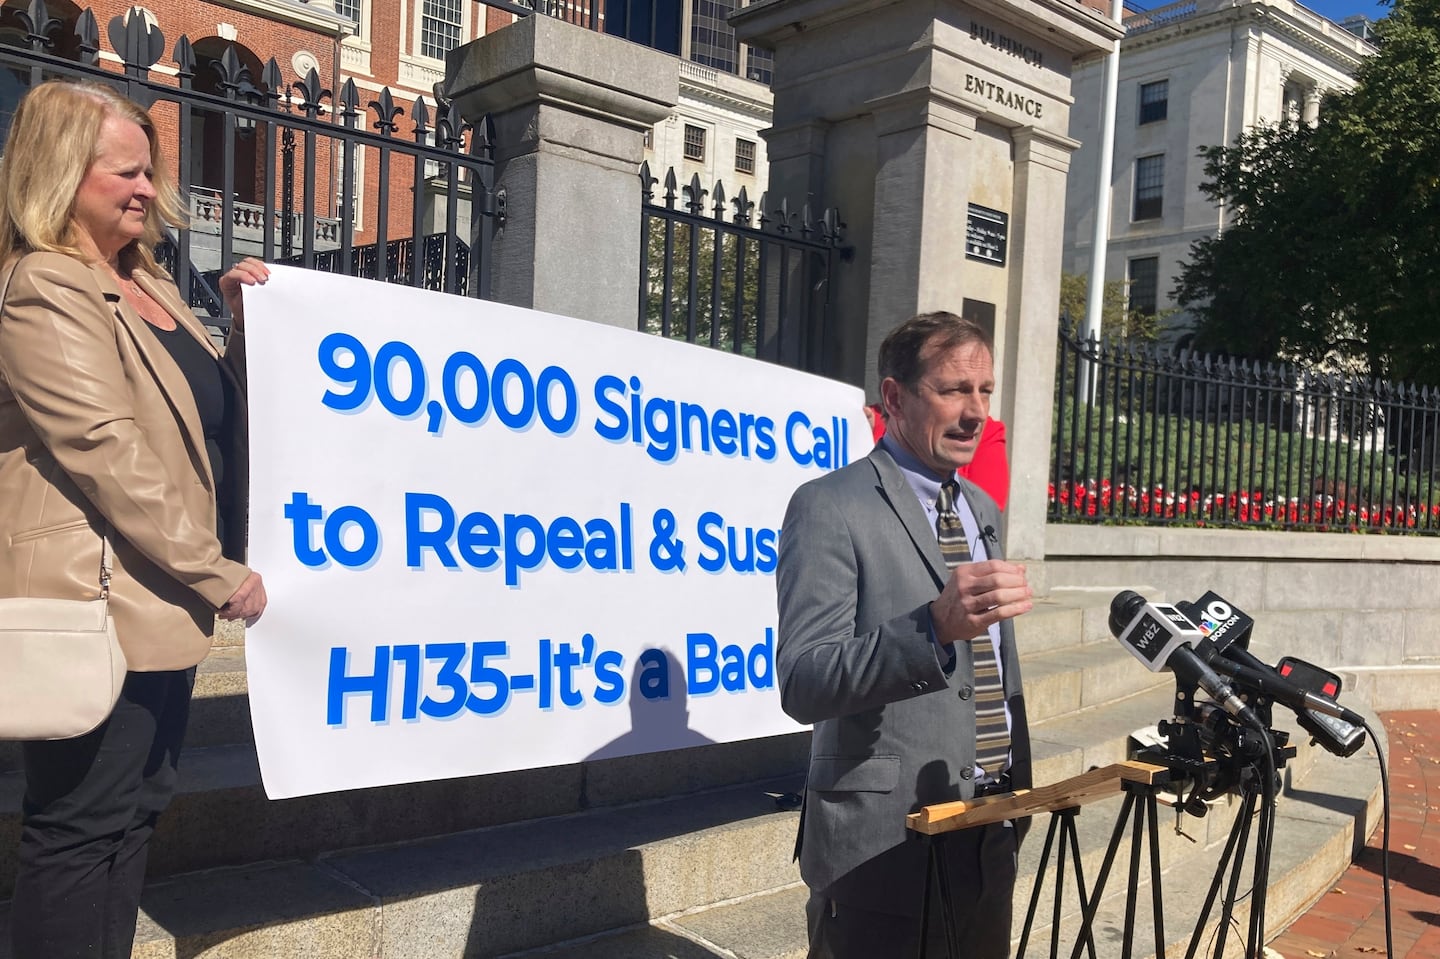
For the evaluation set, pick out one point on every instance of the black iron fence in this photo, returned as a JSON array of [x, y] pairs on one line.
[[1148, 437], [751, 280], [282, 169]]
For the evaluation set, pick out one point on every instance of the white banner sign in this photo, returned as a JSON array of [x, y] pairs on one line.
[[498, 539]]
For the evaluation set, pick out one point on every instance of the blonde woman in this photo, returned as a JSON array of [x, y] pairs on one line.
[[118, 419]]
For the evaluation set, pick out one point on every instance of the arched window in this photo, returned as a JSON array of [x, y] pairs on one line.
[[207, 133]]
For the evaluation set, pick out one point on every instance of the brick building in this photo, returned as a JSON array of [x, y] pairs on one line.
[[401, 45]]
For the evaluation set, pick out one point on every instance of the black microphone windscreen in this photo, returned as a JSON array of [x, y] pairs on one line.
[[1123, 608]]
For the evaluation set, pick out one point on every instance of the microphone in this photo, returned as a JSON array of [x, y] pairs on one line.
[[1161, 636], [1227, 632], [1268, 682]]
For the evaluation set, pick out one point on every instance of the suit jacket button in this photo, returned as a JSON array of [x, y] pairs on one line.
[[918, 686], [966, 773], [966, 692]]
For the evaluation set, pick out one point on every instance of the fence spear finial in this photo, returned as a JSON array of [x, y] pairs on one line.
[[743, 206], [272, 80], [647, 182], [87, 35], [420, 115], [697, 193], [39, 25], [672, 188], [349, 103], [139, 41], [386, 111]]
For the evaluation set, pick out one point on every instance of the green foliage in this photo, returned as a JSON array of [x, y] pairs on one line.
[[714, 318], [1116, 320], [1329, 252]]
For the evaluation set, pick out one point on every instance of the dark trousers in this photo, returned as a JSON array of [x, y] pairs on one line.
[[91, 805], [982, 867]]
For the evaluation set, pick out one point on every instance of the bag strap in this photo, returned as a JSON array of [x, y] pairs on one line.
[[106, 564], [106, 559]]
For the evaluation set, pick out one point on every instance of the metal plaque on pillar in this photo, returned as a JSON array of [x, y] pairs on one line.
[[986, 233]]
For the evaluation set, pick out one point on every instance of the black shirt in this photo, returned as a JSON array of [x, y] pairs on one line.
[[210, 389]]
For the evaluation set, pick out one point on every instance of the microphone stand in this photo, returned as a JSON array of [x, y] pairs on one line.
[[1141, 782], [1252, 792]]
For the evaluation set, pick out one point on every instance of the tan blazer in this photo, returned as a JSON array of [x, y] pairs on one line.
[[98, 427]]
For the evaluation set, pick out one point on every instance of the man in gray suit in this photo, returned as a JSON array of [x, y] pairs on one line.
[[892, 629]]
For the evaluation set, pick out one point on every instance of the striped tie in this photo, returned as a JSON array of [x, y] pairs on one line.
[[992, 738]]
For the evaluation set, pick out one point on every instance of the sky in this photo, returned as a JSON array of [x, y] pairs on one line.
[[1338, 10]]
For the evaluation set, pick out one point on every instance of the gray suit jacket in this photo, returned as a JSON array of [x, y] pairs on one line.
[[858, 567]]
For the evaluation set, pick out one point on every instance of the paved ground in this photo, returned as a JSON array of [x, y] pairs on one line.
[[1348, 922]]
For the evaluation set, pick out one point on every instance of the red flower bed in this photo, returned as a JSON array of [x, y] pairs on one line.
[[1105, 499]]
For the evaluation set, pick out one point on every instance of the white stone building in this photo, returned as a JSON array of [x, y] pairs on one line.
[[714, 131], [1192, 74]]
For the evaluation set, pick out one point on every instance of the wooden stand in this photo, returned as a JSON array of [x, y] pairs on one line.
[[1063, 800]]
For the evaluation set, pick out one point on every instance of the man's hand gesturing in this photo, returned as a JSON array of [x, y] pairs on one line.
[[977, 595]]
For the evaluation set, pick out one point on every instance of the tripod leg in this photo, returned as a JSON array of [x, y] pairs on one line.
[[1087, 925], [1136, 835], [1039, 881], [1156, 892], [1214, 889], [1080, 883], [1237, 869], [1055, 906], [1136, 838], [1260, 883], [947, 903], [932, 866]]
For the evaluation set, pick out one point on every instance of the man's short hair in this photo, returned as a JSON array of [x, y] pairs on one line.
[[900, 352]]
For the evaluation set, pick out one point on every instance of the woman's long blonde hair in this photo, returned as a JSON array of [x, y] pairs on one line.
[[52, 142]]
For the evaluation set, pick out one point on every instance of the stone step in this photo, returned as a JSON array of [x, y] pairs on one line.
[[1064, 682], [221, 817], [694, 876], [1069, 744], [482, 892], [1322, 819], [1051, 626]]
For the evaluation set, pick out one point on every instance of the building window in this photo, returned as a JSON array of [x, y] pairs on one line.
[[1144, 285], [348, 8], [759, 65], [357, 186], [744, 156], [1149, 186], [651, 23], [712, 41], [440, 22], [1154, 101], [694, 143]]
